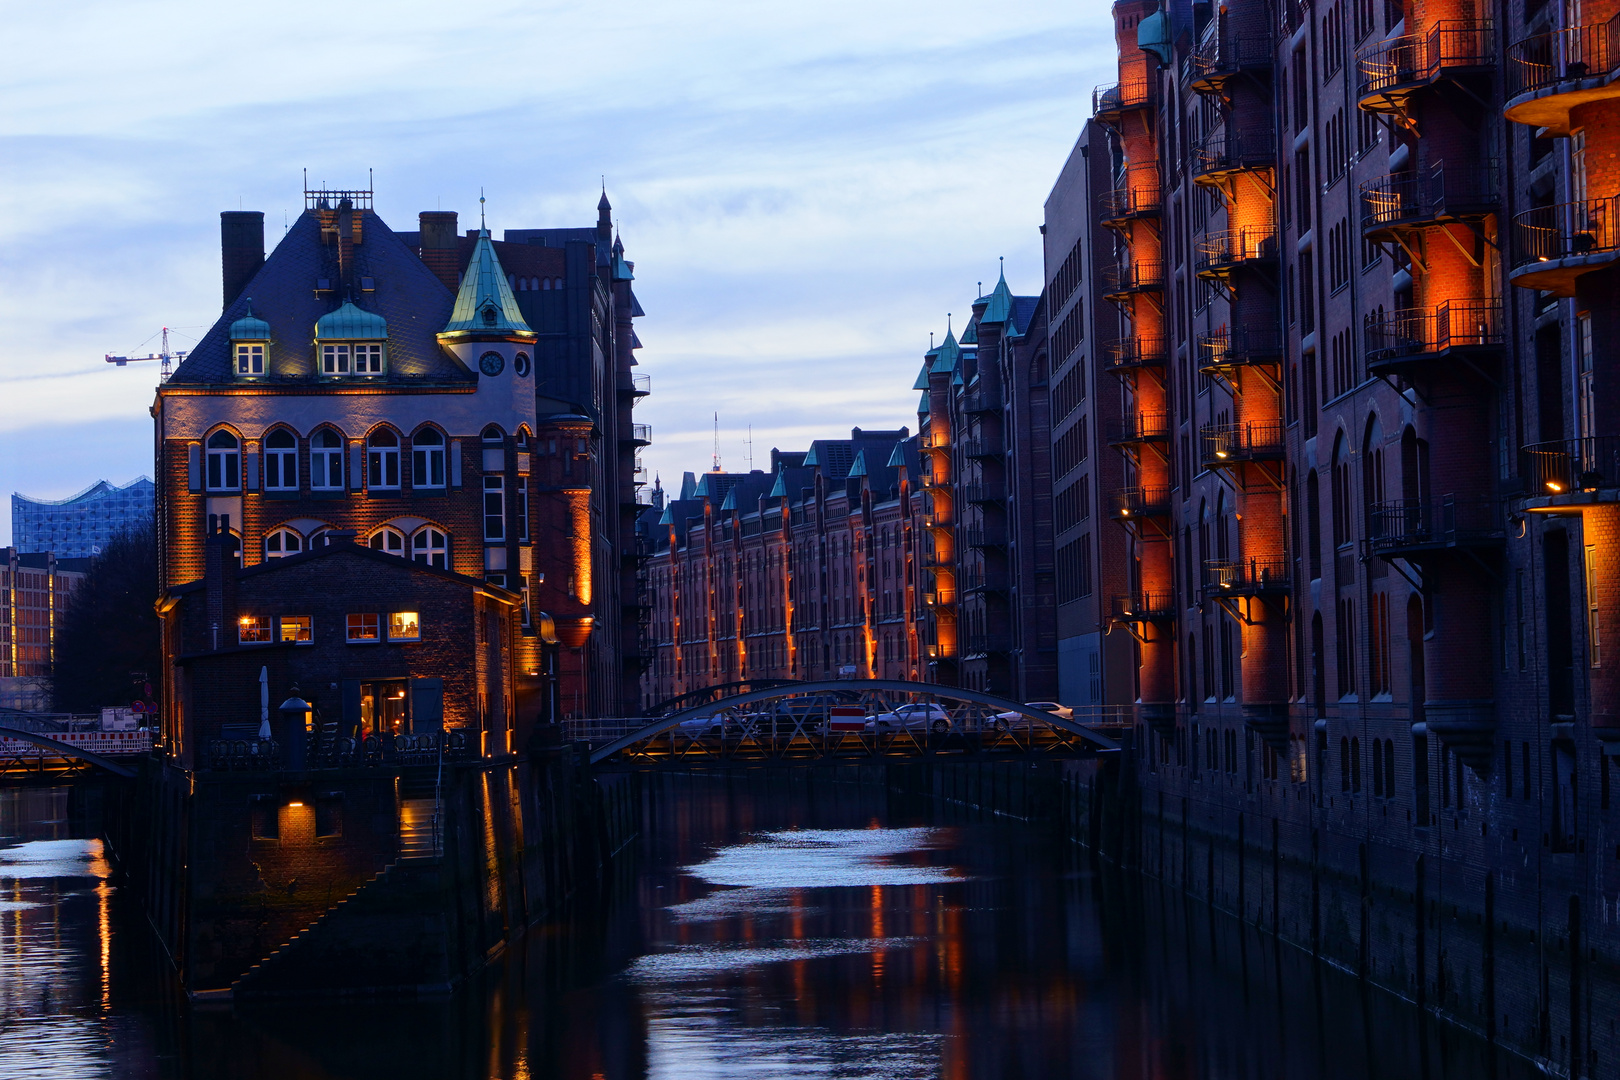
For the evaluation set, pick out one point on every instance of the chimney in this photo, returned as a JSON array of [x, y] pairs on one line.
[[241, 249], [219, 587], [441, 247], [345, 246]]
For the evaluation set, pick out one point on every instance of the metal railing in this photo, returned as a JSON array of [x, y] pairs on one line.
[[1224, 150], [1122, 96], [640, 433], [1246, 576], [979, 578], [1142, 605], [1568, 55], [1556, 468], [984, 491], [1230, 346], [1227, 54], [1407, 332], [983, 536], [1137, 195], [1416, 58], [266, 755], [982, 401], [1226, 444], [1435, 195], [1134, 352], [1139, 502], [1136, 427], [1131, 277], [1409, 523], [1562, 230], [982, 446], [1219, 251], [637, 383]]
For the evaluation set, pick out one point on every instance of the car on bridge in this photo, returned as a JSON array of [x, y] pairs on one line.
[[919, 716], [1062, 712]]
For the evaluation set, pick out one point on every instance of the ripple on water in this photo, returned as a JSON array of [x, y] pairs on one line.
[[828, 859]]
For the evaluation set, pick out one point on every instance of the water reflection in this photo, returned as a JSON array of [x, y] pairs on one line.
[[802, 929]]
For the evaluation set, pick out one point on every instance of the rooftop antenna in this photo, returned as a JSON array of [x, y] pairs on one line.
[[716, 442], [981, 288], [481, 227], [947, 323], [750, 447]]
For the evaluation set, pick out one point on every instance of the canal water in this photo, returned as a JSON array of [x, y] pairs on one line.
[[764, 926]]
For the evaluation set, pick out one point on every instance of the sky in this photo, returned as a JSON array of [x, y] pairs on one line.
[[806, 190]]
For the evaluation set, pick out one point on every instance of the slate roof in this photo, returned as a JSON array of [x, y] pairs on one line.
[[414, 302]]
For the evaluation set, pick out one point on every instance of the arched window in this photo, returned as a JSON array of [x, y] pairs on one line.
[[281, 543], [1355, 764], [1378, 768], [382, 460], [546, 284], [390, 540], [1344, 763], [534, 284], [224, 462], [493, 434], [280, 461], [318, 539], [523, 437], [326, 461], [431, 547], [556, 283], [1341, 493], [427, 459]]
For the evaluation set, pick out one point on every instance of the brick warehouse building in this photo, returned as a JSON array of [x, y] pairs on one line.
[[453, 399]]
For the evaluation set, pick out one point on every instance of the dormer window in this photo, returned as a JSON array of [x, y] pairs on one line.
[[249, 359], [351, 342], [250, 339]]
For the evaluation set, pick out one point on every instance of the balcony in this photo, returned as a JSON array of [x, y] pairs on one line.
[[1110, 103], [1223, 56], [980, 578], [982, 492], [638, 435], [1120, 282], [982, 401], [1136, 503], [1549, 74], [1439, 196], [1221, 351], [982, 447], [635, 384], [1225, 445], [1139, 427], [1223, 152], [934, 560], [1221, 253], [1572, 471], [983, 535], [1246, 577], [1130, 354], [1138, 197], [986, 642], [1554, 245], [1400, 341], [1410, 527], [1142, 607], [1391, 71]]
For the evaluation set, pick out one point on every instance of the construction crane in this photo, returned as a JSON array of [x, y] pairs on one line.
[[163, 354]]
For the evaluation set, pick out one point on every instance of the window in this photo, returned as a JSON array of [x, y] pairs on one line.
[[494, 508], [403, 626], [297, 629], [280, 461], [326, 461], [427, 459], [431, 547], [382, 460], [249, 359], [390, 540], [253, 630], [523, 508], [224, 462], [281, 543], [368, 359], [364, 627], [334, 359]]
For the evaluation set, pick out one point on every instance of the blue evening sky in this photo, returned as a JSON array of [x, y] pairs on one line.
[[806, 189]]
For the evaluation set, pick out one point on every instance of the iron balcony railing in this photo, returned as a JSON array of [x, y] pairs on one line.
[[1128, 504], [1137, 427], [982, 401], [1132, 277], [983, 536], [1228, 444], [1451, 44], [1138, 194], [1231, 346], [1409, 332], [1568, 55], [984, 491], [1114, 98], [1134, 352], [1557, 468], [1407, 524], [1246, 577], [1142, 606], [1562, 230], [1223, 55], [982, 446], [1219, 252], [986, 641], [980, 578], [637, 383], [640, 434], [323, 752], [1225, 150], [1438, 194]]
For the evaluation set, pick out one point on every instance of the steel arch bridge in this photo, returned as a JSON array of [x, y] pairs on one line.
[[852, 721]]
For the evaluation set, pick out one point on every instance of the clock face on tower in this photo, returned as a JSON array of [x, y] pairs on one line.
[[491, 363]]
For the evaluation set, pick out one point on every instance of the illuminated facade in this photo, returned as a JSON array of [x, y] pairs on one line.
[[80, 526], [35, 589], [454, 400]]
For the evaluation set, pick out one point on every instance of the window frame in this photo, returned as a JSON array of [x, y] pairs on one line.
[[358, 620], [382, 532], [382, 461], [279, 532], [249, 357], [329, 456], [222, 465], [262, 629], [415, 624], [429, 458], [295, 623], [279, 460], [429, 550]]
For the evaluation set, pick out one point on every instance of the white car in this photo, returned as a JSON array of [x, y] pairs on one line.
[[1062, 712], [699, 726], [924, 716]]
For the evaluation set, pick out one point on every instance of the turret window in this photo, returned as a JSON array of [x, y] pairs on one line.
[[326, 461], [249, 359], [224, 462], [382, 460], [280, 461]]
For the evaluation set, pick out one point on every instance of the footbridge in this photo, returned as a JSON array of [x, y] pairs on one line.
[[850, 721]]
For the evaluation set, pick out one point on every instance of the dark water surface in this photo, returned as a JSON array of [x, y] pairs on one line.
[[765, 927]]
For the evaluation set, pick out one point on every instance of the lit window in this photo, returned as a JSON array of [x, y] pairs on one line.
[[431, 547], [427, 459], [390, 540], [250, 359], [224, 462], [365, 627], [253, 629], [280, 461], [281, 543], [403, 626], [326, 461], [297, 628], [382, 460]]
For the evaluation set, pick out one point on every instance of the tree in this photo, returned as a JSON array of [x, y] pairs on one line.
[[111, 629]]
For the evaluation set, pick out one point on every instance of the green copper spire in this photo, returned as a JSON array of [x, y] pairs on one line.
[[922, 379], [1000, 307], [949, 351], [485, 306]]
